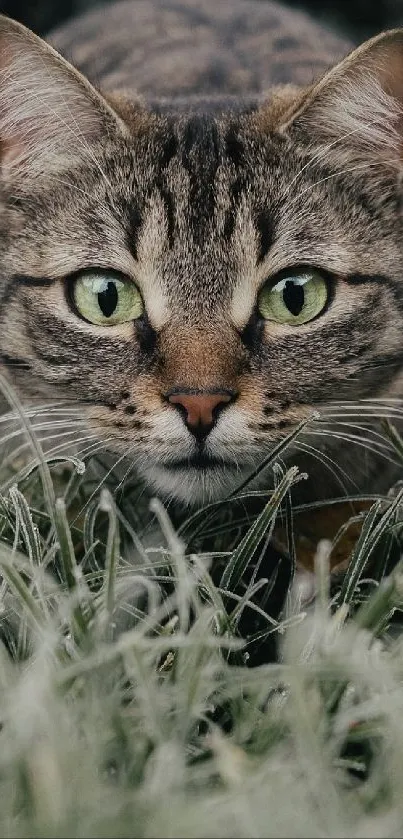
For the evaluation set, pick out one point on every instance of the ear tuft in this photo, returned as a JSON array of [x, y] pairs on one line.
[[359, 103], [49, 113]]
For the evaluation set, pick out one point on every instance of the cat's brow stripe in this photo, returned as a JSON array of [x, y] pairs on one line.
[[169, 204], [17, 281], [234, 147], [364, 279], [14, 361], [40, 282], [386, 360], [380, 281], [135, 220], [264, 226], [9, 291]]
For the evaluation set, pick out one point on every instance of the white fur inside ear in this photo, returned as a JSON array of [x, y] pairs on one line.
[[47, 113], [359, 112]]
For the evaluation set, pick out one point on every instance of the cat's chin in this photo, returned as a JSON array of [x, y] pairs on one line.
[[193, 486]]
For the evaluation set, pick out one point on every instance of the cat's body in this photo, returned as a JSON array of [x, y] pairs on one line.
[[198, 48], [226, 205]]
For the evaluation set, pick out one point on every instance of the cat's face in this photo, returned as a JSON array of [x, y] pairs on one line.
[[199, 284]]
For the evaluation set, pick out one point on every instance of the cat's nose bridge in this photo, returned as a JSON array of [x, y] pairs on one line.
[[199, 361]]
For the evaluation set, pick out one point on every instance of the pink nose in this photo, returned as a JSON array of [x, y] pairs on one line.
[[199, 407]]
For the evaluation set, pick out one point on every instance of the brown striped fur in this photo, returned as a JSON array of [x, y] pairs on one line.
[[211, 161]]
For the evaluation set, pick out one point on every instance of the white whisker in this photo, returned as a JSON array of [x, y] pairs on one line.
[[334, 468], [349, 170], [370, 446], [375, 435], [98, 487], [324, 152]]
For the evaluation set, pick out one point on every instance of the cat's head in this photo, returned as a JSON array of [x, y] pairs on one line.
[[198, 283]]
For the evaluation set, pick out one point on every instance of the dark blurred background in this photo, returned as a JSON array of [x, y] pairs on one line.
[[357, 18]]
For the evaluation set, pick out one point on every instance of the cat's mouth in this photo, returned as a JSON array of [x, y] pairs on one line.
[[200, 460], [199, 478]]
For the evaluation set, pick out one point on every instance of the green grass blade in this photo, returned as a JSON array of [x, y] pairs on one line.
[[111, 556], [47, 484], [28, 603], [245, 551], [195, 523], [73, 577], [275, 453], [370, 535], [29, 530]]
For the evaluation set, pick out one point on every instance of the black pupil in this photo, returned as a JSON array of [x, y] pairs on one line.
[[294, 297], [108, 299]]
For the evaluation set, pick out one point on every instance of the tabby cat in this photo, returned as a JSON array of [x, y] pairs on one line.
[[198, 257]]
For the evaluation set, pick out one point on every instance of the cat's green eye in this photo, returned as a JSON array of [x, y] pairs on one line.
[[106, 300], [295, 299]]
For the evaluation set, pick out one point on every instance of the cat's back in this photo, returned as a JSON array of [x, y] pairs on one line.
[[184, 47]]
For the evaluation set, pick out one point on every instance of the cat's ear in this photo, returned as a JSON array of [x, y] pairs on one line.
[[49, 113], [358, 105]]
